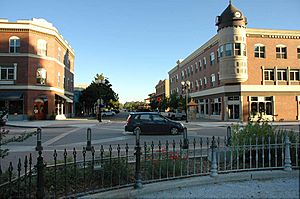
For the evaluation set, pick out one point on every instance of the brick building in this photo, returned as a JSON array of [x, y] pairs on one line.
[[242, 73], [162, 90], [36, 70]]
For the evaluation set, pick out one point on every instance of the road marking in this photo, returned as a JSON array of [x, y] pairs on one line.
[[51, 141], [95, 141]]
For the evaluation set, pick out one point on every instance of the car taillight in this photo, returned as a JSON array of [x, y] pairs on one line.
[[129, 119]]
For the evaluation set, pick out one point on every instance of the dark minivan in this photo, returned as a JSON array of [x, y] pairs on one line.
[[152, 122]]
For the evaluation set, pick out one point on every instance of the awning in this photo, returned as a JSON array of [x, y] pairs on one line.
[[66, 98], [11, 96]]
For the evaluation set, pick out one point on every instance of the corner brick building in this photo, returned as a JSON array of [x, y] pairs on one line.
[[36, 70], [243, 74]]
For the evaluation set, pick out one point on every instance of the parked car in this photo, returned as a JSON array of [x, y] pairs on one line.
[[174, 115], [152, 122], [107, 113]]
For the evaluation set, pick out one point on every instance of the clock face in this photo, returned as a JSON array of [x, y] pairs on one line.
[[237, 14]]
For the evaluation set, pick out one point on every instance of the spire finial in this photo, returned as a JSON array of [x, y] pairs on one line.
[[229, 2]]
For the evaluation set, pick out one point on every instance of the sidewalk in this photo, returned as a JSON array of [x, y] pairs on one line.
[[254, 184]]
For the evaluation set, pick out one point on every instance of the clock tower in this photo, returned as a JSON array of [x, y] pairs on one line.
[[232, 45]]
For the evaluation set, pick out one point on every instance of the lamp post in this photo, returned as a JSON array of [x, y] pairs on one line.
[[138, 181], [99, 81], [185, 88]]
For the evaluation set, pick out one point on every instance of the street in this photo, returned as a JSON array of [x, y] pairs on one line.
[[108, 133]]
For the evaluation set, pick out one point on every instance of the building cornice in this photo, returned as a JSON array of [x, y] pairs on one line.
[[35, 56], [210, 43], [247, 88], [28, 25], [272, 33], [39, 88]]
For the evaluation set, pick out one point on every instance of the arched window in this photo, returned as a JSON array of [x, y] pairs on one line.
[[259, 51], [42, 47], [41, 75], [14, 44]]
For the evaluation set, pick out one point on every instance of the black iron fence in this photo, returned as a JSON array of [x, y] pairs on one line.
[[75, 173]]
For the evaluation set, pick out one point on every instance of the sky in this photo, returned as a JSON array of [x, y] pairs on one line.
[[135, 43]]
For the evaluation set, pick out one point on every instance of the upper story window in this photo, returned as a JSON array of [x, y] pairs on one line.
[[42, 47], [294, 75], [196, 67], [14, 44], [237, 49], [269, 75], [41, 75], [7, 73], [281, 75], [212, 58], [213, 79], [58, 79], [221, 51], [59, 54], [281, 52], [204, 62], [228, 49], [192, 69], [200, 65], [298, 52], [259, 51]]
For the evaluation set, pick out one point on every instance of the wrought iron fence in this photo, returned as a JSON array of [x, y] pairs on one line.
[[75, 173]]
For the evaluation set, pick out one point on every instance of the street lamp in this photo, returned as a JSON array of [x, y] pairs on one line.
[[99, 81], [185, 88]]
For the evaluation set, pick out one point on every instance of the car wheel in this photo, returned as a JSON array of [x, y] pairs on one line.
[[137, 129], [174, 131]]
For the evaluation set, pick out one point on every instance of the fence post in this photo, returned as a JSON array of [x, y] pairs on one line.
[[40, 192], [287, 154], [39, 140], [138, 181], [214, 167], [228, 136], [89, 139]]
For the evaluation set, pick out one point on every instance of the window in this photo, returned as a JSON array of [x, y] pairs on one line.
[[205, 81], [228, 49], [41, 75], [244, 49], [192, 69], [58, 79], [213, 79], [7, 73], [259, 51], [237, 49], [200, 82], [222, 51], [196, 67], [281, 75], [269, 75], [14, 45], [212, 58], [182, 74], [204, 62], [200, 65], [298, 52], [215, 106], [261, 105], [59, 54], [294, 75], [42, 47], [281, 52]]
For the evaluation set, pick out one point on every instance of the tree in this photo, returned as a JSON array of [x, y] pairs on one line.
[[100, 88], [174, 101]]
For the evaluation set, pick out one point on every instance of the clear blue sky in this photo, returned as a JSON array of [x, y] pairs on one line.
[[136, 42]]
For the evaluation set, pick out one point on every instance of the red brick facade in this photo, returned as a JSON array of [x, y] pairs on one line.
[[269, 87], [44, 74]]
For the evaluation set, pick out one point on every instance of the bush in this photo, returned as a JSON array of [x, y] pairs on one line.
[[253, 130]]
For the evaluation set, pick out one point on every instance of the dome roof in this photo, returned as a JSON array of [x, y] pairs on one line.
[[231, 16]]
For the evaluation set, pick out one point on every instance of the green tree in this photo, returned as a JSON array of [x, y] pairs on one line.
[[174, 101], [100, 88]]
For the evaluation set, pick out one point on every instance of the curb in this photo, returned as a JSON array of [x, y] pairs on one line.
[[130, 192]]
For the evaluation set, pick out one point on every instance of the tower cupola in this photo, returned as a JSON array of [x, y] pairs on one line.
[[231, 16]]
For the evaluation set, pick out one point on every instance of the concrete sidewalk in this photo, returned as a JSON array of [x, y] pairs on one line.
[[254, 184]]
